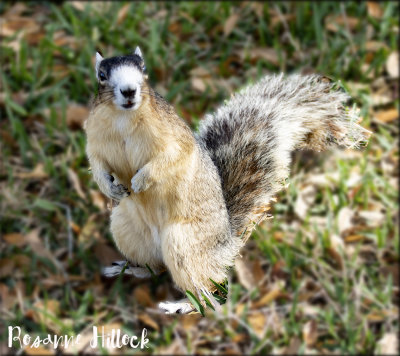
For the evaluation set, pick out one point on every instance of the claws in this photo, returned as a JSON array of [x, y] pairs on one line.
[[116, 192], [181, 307], [117, 266]]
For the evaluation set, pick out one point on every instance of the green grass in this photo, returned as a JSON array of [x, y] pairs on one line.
[[344, 288]]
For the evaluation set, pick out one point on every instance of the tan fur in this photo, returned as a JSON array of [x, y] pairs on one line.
[[159, 226]]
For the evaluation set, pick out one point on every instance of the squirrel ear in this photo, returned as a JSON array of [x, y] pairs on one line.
[[138, 52], [99, 58]]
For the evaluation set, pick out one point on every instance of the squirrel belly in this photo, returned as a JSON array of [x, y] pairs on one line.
[[188, 202]]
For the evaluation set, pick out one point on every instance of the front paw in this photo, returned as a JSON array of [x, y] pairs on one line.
[[116, 191], [140, 181]]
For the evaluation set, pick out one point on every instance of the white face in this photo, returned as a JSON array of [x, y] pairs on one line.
[[126, 81], [121, 80]]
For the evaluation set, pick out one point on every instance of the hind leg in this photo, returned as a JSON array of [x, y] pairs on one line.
[[192, 261], [134, 240]]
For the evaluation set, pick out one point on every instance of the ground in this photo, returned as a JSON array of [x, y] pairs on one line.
[[321, 276]]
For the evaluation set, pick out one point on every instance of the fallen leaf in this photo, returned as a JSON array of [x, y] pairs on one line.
[[293, 348], [147, 320], [244, 273], [8, 297], [305, 198], [335, 22], [40, 350], [388, 345], [15, 239], [98, 199], [268, 54], [37, 173], [46, 312], [310, 333], [354, 238], [374, 9], [73, 177], [79, 5], [122, 13], [387, 115], [336, 257], [276, 19], [76, 116], [106, 254], [257, 322], [36, 244], [7, 267], [392, 65], [344, 219], [230, 24], [267, 298], [141, 294]]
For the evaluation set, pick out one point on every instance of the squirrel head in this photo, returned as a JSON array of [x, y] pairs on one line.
[[120, 79]]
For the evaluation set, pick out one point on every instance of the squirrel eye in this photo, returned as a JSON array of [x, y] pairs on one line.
[[102, 76]]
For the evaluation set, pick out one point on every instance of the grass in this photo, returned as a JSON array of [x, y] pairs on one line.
[[341, 285]]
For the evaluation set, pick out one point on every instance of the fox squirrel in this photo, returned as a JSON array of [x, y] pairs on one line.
[[188, 201]]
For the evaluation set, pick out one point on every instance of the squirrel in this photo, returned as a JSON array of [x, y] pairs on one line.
[[188, 201]]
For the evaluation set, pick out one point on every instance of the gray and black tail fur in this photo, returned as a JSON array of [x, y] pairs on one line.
[[250, 138]]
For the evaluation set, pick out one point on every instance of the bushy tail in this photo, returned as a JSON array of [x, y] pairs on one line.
[[250, 138]]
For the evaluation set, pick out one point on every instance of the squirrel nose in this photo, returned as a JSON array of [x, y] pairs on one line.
[[128, 93]]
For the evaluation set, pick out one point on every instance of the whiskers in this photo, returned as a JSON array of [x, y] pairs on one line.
[[104, 96], [146, 92]]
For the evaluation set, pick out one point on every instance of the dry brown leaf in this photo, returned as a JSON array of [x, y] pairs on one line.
[[7, 267], [11, 25], [79, 5], [293, 348], [40, 350], [374, 9], [310, 333], [15, 239], [354, 238], [334, 23], [106, 254], [387, 115], [142, 295], [388, 345], [267, 298], [345, 219], [257, 322], [147, 320], [230, 24], [200, 72], [73, 177], [244, 273], [190, 321], [392, 65], [76, 116], [198, 84], [36, 244], [305, 198], [88, 231], [8, 297], [122, 13], [44, 312], [374, 46], [336, 257], [98, 199], [268, 54], [37, 173], [258, 8], [276, 19]]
